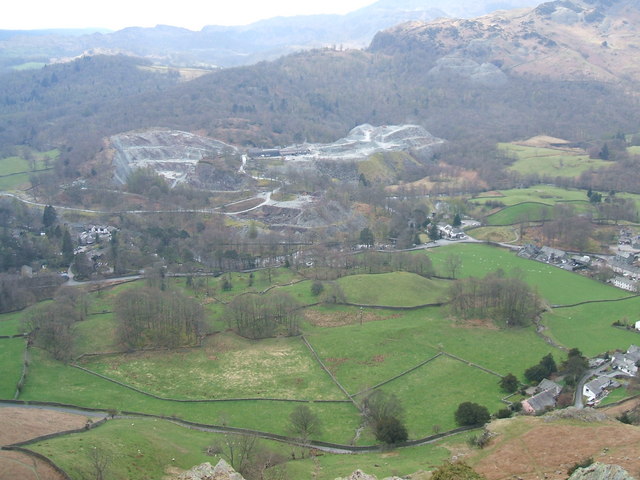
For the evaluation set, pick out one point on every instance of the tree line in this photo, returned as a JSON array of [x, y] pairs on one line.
[[262, 316], [151, 317]]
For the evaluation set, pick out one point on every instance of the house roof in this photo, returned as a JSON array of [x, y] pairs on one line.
[[543, 400], [598, 384], [547, 384]]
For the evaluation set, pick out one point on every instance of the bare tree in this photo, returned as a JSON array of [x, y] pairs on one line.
[[303, 423], [452, 264]]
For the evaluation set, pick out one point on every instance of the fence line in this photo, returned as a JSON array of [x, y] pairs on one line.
[[421, 364], [204, 400], [25, 369], [471, 364], [333, 377]]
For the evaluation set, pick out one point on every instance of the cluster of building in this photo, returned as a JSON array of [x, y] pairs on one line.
[[554, 256], [452, 233], [95, 233], [621, 364], [628, 273]]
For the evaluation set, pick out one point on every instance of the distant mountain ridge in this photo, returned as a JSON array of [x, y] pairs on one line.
[[240, 45]]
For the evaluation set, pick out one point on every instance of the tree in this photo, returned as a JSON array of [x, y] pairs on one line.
[[51, 328], [457, 221], [316, 288], [433, 232], [509, 383], [541, 370], [67, 248], [383, 412], [49, 216], [549, 364], [380, 404], [452, 264], [469, 413], [391, 431], [100, 460], [304, 423], [574, 366], [366, 237]]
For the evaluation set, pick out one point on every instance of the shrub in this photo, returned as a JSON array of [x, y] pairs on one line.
[[469, 413], [317, 288], [390, 430]]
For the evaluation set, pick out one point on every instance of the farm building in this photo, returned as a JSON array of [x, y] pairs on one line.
[[545, 398]]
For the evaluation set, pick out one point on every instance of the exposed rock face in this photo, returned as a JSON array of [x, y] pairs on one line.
[[222, 471], [173, 154], [601, 471]]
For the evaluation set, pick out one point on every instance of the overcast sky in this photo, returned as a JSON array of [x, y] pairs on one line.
[[192, 14]]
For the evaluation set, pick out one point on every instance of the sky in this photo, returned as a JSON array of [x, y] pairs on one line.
[[191, 14]]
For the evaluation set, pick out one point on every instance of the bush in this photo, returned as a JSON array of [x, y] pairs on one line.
[[390, 430], [504, 413], [469, 413], [317, 288], [509, 383], [456, 471]]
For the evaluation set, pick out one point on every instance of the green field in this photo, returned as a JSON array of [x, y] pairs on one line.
[[51, 381], [494, 234], [549, 161], [15, 171], [547, 194], [432, 393], [556, 286], [588, 327], [397, 289], [227, 367], [362, 347], [146, 448], [11, 355], [10, 323]]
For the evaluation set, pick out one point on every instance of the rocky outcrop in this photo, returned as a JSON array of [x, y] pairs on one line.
[[360, 475], [178, 156], [601, 471], [205, 471], [575, 40]]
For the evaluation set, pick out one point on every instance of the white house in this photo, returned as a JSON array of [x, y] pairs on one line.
[[638, 325], [627, 362], [625, 284], [596, 388]]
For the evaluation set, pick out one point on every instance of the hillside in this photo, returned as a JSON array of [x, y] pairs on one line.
[[575, 40], [469, 82]]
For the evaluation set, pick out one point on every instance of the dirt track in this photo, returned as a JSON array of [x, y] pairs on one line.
[[20, 424]]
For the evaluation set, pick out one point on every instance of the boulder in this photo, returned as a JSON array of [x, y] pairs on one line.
[[601, 471]]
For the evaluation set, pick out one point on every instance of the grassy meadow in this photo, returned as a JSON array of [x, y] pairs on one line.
[[552, 162], [362, 347], [11, 359]]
